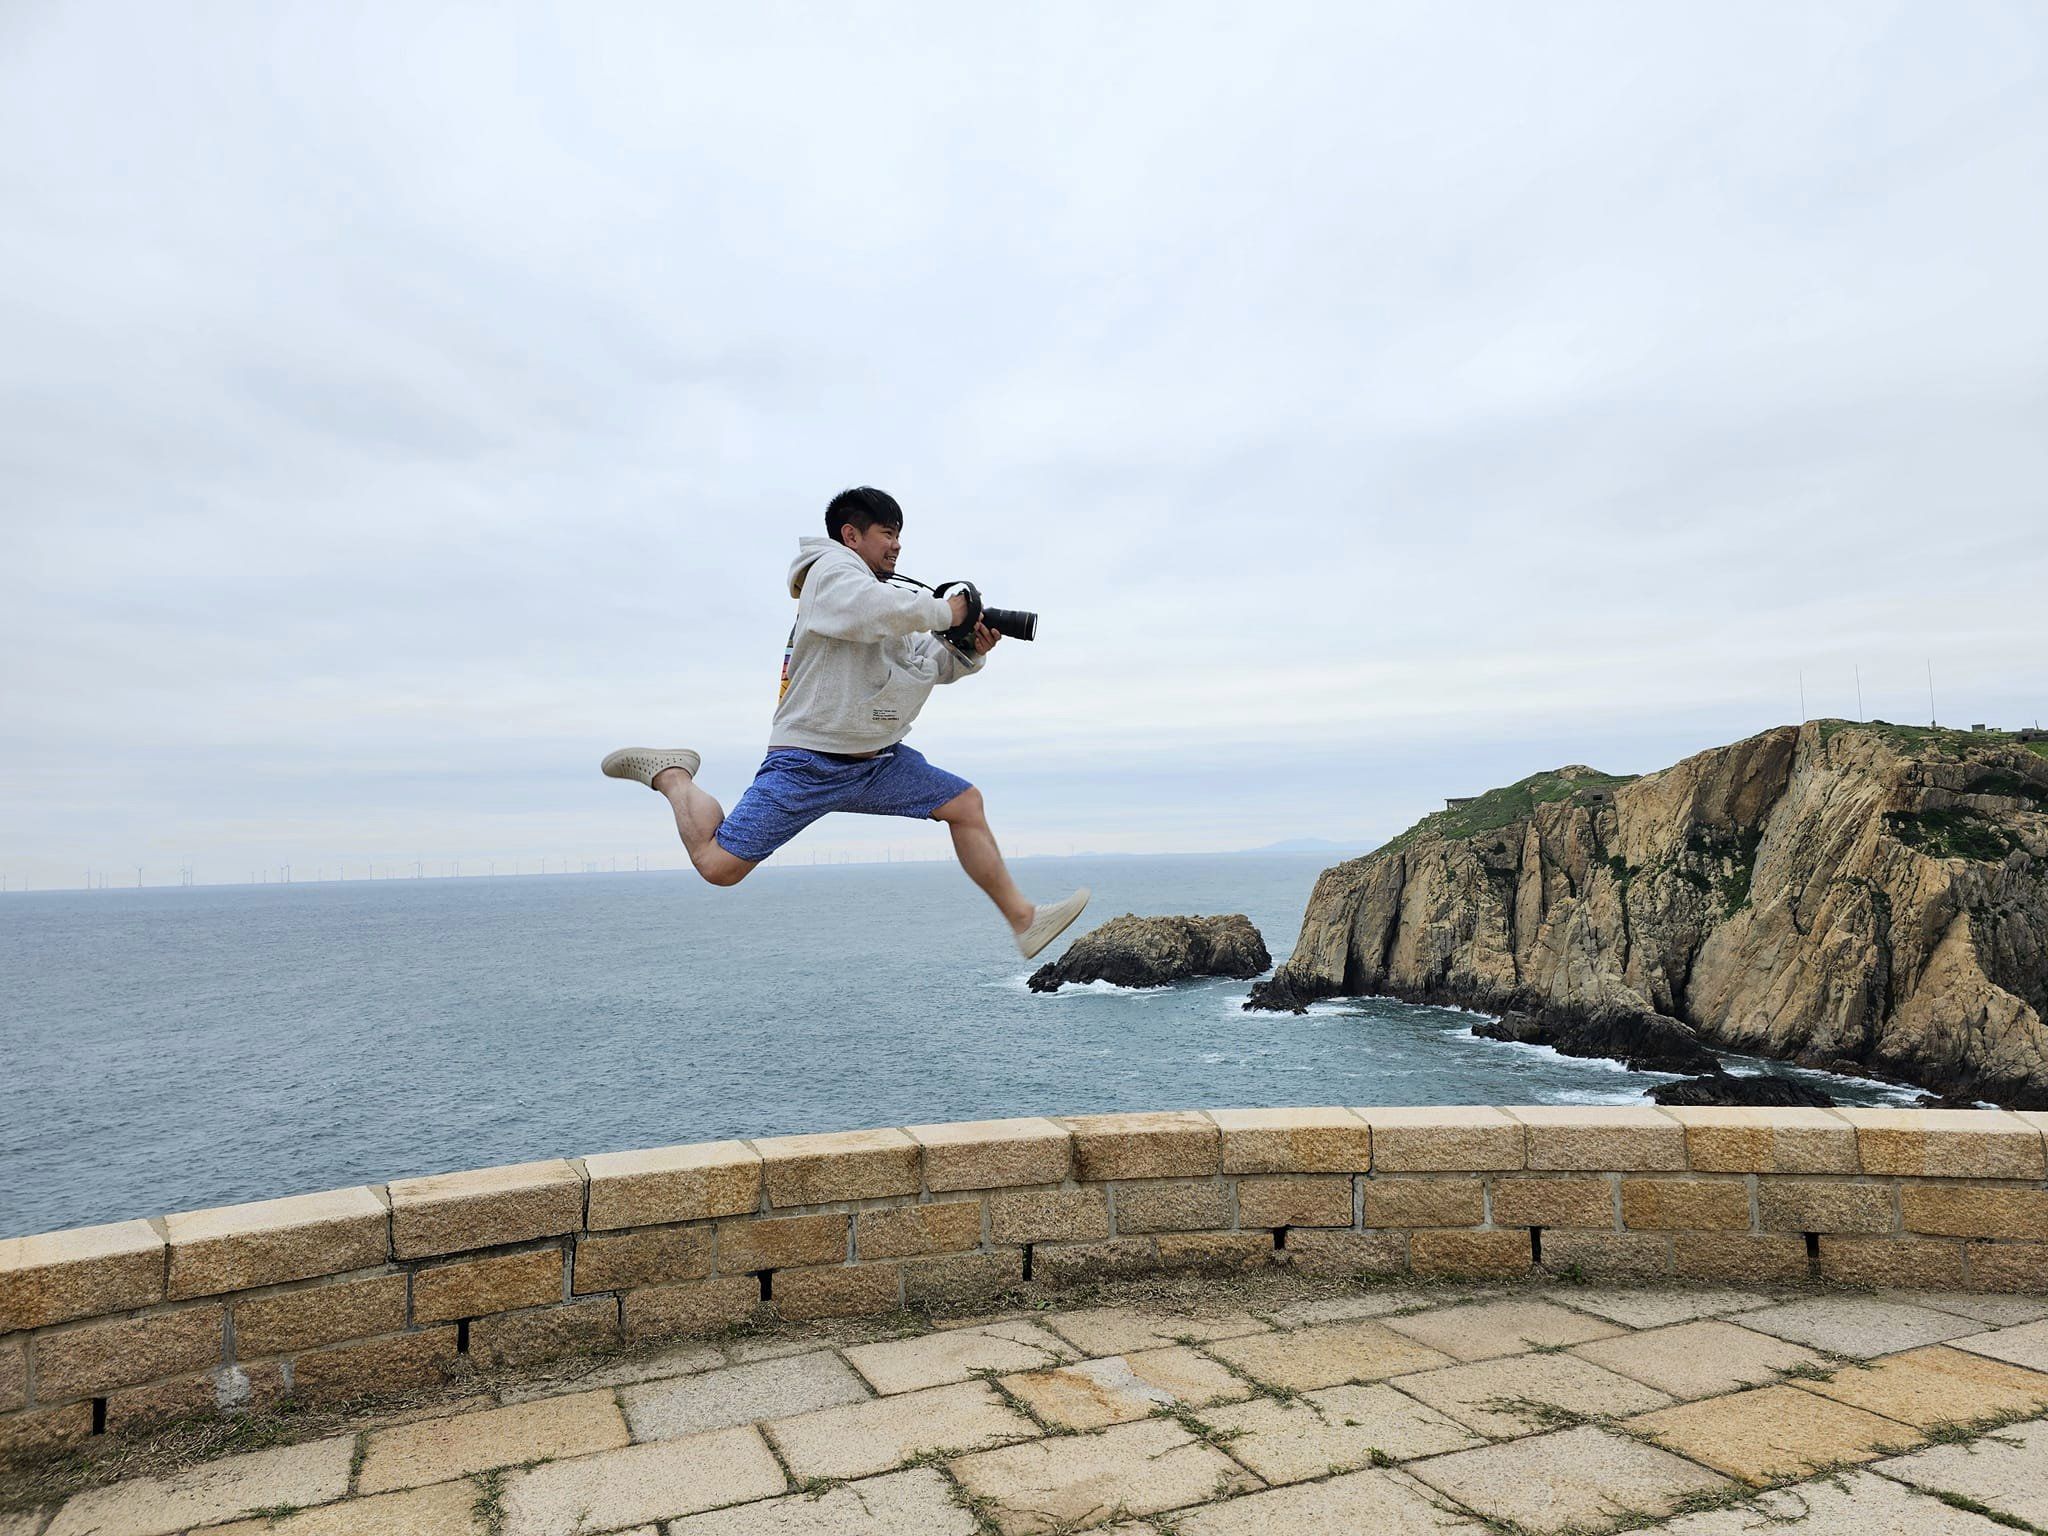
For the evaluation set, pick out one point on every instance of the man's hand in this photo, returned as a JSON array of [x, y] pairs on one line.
[[959, 602], [984, 639]]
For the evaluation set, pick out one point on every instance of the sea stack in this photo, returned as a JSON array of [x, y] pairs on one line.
[[1132, 951]]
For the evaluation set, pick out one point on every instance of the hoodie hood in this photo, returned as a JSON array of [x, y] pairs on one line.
[[809, 552]]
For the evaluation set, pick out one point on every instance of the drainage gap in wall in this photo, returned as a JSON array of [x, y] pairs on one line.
[[99, 1415], [1535, 1245], [767, 1285], [1027, 1261], [1813, 1254], [1279, 1237], [462, 1337]]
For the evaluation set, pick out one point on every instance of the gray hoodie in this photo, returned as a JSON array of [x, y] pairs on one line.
[[862, 658]]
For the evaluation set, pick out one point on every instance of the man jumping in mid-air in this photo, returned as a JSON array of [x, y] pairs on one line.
[[861, 661]]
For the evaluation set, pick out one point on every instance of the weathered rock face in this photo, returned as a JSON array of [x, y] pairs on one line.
[[1131, 951], [1863, 893]]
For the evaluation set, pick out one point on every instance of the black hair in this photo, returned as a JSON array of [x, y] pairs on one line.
[[863, 506]]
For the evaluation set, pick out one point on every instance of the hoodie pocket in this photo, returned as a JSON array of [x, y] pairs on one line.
[[896, 702]]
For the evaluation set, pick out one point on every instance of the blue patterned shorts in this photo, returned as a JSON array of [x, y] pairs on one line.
[[794, 787]]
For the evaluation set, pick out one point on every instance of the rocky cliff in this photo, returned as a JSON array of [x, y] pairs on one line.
[[1834, 893]]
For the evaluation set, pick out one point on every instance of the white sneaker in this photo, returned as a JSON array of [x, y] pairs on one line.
[[1050, 922], [641, 764]]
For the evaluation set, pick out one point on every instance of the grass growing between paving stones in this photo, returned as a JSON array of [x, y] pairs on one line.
[[1259, 1388], [1956, 1431], [979, 1507], [1807, 1370], [1970, 1506], [489, 1509], [1187, 1419], [1545, 1416], [992, 1377]]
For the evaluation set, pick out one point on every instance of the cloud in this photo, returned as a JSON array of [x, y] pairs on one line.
[[399, 409]]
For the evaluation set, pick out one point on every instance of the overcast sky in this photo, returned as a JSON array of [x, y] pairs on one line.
[[401, 406]]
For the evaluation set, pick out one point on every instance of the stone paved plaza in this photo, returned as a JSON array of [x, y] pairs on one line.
[[1240, 1408]]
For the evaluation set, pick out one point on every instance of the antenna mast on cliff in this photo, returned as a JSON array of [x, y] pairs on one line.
[[1802, 696], [1859, 693], [1932, 719]]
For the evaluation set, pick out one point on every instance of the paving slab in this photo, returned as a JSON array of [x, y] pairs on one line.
[[222, 1490], [1699, 1359], [1774, 1433], [983, 1319], [1358, 1504], [1327, 1355], [1937, 1385], [919, 1501], [1999, 1311], [936, 1359], [677, 1360], [1656, 1308], [434, 1450], [745, 1350], [862, 1439], [1338, 1309], [1124, 1388], [1336, 1428], [435, 1410], [1852, 1504], [2025, 1345], [1080, 1480], [1525, 1393], [739, 1394], [446, 1510], [1487, 1329], [1564, 1481], [2006, 1471], [1857, 1325], [1119, 1330], [641, 1483]]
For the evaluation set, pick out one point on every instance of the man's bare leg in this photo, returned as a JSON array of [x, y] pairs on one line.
[[975, 846], [697, 818]]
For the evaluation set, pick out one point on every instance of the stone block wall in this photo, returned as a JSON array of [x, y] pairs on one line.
[[353, 1293]]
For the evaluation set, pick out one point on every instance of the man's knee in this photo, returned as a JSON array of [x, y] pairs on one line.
[[720, 868], [964, 809]]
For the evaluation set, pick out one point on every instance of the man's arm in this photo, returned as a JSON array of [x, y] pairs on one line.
[[951, 663], [849, 604]]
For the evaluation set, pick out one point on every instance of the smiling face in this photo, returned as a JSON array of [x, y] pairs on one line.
[[877, 545]]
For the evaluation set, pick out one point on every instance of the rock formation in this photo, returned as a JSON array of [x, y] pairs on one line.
[[1724, 1089], [1868, 896], [1647, 1042], [1131, 951]]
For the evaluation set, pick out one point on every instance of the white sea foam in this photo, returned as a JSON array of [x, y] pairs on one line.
[[1551, 1053], [1593, 1096], [1022, 983]]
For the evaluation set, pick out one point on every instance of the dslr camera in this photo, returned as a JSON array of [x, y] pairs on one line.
[[1013, 622]]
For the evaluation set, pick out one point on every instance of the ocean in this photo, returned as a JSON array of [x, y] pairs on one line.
[[173, 1049]]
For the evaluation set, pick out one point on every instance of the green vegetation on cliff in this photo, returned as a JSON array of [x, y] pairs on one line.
[[1929, 740], [1498, 808], [1951, 833]]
